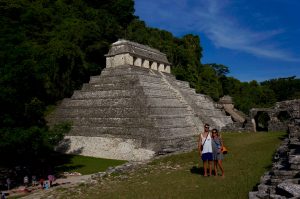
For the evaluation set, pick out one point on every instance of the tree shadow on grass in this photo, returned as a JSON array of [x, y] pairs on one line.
[[197, 170], [63, 163]]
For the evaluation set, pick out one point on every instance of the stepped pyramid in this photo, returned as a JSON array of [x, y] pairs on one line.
[[135, 109]]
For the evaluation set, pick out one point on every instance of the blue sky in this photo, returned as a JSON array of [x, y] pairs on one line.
[[256, 39]]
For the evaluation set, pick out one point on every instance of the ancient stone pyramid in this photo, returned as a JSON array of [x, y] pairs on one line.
[[135, 108]]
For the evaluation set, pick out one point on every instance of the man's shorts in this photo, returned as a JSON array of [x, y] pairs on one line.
[[207, 156]]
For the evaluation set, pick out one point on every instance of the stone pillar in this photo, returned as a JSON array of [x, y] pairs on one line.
[[154, 66], [145, 63], [109, 62], [137, 62], [168, 69], [129, 59], [253, 124], [161, 67]]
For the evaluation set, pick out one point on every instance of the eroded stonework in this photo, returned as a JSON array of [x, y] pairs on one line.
[[106, 147], [125, 52], [282, 181], [280, 115]]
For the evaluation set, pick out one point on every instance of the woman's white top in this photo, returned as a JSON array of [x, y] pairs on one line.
[[207, 146]]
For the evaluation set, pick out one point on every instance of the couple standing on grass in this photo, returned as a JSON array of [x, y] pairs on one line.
[[210, 149]]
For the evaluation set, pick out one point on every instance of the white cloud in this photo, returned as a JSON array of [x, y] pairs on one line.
[[213, 18]]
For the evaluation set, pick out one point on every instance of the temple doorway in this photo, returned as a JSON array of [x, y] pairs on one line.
[[261, 120]]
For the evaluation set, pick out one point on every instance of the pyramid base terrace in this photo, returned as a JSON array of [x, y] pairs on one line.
[[105, 147]]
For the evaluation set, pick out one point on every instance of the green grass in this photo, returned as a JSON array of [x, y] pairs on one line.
[[177, 176], [86, 165]]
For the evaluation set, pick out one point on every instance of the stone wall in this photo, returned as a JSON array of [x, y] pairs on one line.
[[280, 115], [105, 147], [283, 180]]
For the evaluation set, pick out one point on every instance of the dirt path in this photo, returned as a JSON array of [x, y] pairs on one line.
[[36, 192]]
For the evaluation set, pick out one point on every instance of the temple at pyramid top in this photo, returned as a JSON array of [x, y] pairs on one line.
[[125, 52]]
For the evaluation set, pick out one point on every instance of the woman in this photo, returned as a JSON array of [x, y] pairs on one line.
[[217, 145]]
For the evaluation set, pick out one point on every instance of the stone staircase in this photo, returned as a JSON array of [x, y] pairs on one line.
[[202, 105], [192, 118]]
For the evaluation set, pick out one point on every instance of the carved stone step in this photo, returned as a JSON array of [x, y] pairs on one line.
[[112, 122], [130, 122], [122, 102], [131, 78], [100, 112], [171, 111], [105, 94], [124, 132]]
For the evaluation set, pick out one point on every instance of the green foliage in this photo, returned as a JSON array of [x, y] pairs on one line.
[[49, 48], [57, 132], [220, 69], [210, 83], [27, 146], [284, 88], [252, 94], [34, 111], [247, 95]]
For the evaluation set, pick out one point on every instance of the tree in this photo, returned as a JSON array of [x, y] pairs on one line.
[[284, 88], [210, 83], [48, 48], [220, 69]]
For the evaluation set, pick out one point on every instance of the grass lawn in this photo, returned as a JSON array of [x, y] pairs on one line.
[[178, 176], [86, 165]]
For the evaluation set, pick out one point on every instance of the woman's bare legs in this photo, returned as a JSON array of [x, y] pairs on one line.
[[221, 166], [216, 167]]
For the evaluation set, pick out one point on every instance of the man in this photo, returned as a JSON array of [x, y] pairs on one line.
[[205, 149]]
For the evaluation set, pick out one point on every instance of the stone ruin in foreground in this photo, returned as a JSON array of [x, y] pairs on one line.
[[283, 180], [135, 109]]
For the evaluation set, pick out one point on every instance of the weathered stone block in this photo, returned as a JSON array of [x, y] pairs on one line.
[[292, 190], [154, 66]]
